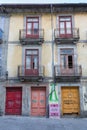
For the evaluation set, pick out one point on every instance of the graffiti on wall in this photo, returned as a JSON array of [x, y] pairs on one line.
[[53, 102], [85, 98]]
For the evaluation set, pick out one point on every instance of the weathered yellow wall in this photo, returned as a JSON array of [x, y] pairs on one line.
[[47, 26], [80, 21], [14, 59], [47, 59], [16, 23], [82, 57]]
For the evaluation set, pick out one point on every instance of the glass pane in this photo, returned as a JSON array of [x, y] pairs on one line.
[[29, 19], [62, 31], [28, 62], [35, 63], [35, 19], [34, 52], [35, 25], [63, 61], [35, 28], [70, 61], [66, 51], [65, 19], [29, 52], [29, 28], [32, 19], [68, 27]]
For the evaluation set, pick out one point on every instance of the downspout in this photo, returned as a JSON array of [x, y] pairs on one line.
[[52, 42], [52, 46]]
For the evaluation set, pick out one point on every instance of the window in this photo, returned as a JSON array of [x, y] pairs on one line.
[[66, 58], [32, 26], [65, 25], [31, 61]]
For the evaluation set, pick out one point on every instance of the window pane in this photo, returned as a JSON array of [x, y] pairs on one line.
[[70, 62], [35, 63], [31, 52], [68, 27], [29, 28], [65, 18], [35, 26], [66, 51], [28, 62], [62, 31], [63, 61], [34, 52], [32, 19]]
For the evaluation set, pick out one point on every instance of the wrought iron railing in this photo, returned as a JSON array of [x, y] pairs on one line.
[[67, 71], [61, 33], [31, 34], [23, 72]]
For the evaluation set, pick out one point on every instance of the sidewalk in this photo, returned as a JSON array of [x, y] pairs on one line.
[[34, 123]]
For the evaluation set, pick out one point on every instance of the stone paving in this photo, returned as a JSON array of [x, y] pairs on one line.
[[33, 123]]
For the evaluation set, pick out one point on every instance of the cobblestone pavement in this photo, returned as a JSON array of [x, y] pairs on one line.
[[33, 123]]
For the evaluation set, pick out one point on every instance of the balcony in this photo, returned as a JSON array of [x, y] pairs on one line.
[[66, 36], [30, 74], [67, 74], [28, 37]]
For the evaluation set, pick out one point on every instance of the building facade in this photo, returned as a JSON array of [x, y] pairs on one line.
[[45, 44]]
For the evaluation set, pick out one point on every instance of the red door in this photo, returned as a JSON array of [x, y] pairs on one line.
[[38, 101], [67, 62], [13, 101], [65, 26], [32, 27], [31, 62]]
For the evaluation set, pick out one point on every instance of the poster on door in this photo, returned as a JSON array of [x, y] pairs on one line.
[[54, 111]]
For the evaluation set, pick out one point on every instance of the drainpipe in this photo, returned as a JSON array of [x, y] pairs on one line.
[[52, 46], [52, 42]]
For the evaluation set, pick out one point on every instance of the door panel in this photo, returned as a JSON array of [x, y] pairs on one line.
[[13, 101], [38, 101], [70, 100]]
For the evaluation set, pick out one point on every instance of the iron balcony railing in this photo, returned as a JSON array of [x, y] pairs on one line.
[[31, 34], [68, 33], [67, 71], [23, 72]]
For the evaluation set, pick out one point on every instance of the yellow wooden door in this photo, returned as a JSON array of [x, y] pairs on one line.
[[70, 100]]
